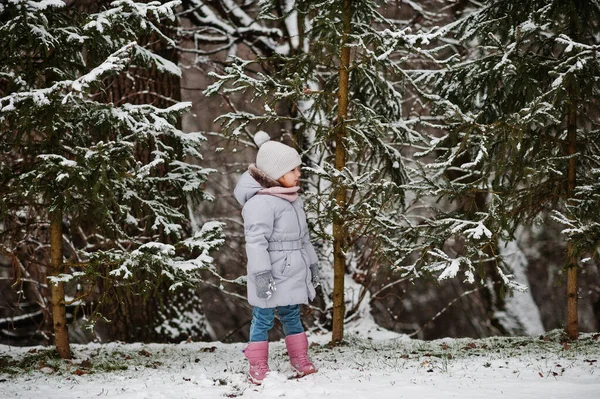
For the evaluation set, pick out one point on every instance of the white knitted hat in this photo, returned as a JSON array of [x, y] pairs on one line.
[[273, 158]]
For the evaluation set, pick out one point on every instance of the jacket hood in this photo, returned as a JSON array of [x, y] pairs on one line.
[[246, 188], [250, 183]]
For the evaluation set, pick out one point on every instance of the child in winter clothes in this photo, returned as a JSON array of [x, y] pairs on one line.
[[282, 263]]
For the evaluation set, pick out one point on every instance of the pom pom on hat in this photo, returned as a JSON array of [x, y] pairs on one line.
[[260, 138], [275, 159]]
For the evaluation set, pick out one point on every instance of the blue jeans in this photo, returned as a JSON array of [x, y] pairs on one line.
[[262, 321]]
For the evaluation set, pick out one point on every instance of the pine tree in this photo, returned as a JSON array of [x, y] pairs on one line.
[[71, 164], [520, 123], [344, 90]]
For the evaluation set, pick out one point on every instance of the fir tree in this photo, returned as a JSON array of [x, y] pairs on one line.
[[71, 164], [520, 127], [345, 112]]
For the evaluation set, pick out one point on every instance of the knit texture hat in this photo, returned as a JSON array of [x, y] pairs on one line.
[[273, 158]]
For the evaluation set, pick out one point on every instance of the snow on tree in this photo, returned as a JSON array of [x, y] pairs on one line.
[[518, 131], [71, 165]]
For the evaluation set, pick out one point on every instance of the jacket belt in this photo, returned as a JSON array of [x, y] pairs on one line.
[[285, 245]]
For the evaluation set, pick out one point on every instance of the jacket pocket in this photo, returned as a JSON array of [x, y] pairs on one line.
[[286, 264]]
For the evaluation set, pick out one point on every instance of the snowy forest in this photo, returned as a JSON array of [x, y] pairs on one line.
[[450, 148]]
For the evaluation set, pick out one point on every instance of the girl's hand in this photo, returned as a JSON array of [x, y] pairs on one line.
[[265, 285]]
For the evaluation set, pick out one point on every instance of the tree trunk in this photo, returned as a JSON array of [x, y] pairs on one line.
[[572, 314], [59, 313], [339, 234]]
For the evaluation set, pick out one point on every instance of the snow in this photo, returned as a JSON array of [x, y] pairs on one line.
[[291, 22], [162, 64], [478, 231], [40, 5], [115, 62], [123, 270], [62, 160], [373, 364], [206, 17], [520, 306], [64, 278]]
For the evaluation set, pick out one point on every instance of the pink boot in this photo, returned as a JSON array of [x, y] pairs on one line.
[[257, 354], [297, 347]]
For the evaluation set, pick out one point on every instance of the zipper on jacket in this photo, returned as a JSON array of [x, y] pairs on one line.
[[286, 263]]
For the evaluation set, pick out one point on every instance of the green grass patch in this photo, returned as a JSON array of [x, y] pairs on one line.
[[35, 359]]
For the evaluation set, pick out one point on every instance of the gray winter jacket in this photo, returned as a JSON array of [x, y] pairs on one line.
[[277, 240]]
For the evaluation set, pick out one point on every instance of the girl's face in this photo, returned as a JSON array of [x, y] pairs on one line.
[[290, 179]]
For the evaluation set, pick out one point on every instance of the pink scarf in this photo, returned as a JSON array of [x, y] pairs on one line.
[[287, 193]]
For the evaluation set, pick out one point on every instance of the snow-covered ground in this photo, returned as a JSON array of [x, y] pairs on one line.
[[374, 364]]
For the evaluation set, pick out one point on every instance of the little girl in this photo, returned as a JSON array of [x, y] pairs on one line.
[[282, 263]]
